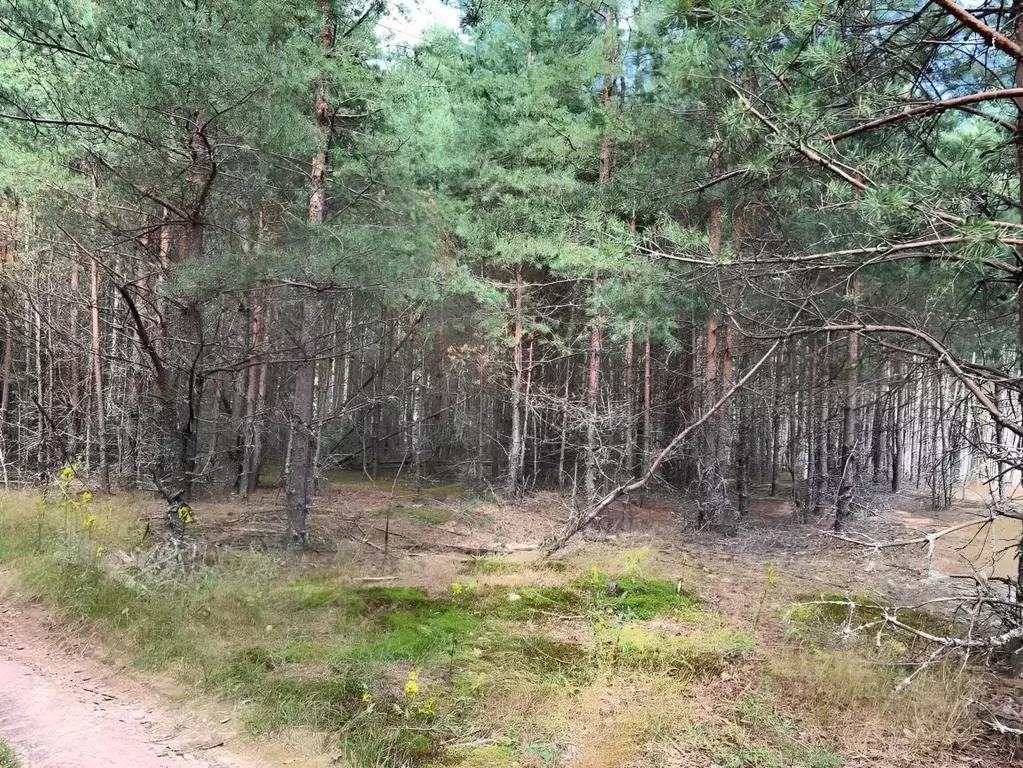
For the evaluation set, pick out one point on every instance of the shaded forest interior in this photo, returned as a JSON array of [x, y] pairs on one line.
[[534, 252]]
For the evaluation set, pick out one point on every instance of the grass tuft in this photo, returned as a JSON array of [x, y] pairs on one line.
[[636, 647], [526, 603], [7, 758], [486, 756]]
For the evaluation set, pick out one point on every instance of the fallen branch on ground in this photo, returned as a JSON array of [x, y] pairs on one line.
[[928, 539], [581, 521]]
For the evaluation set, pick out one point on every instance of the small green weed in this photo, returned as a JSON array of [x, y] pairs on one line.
[[750, 757], [7, 758]]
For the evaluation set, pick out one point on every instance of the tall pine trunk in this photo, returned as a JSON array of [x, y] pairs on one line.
[[301, 471]]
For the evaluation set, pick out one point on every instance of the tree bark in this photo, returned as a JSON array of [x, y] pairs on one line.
[[630, 416], [98, 390], [301, 470], [648, 421], [847, 482], [515, 453], [592, 404], [898, 411]]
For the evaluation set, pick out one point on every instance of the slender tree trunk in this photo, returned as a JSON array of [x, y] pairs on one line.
[[593, 378], [98, 390], [515, 453], [7, 255], [898, 428], [592, 404], [877, 431], [648, 421], [75, 365], [563, 447], [822, 475], [300, 472], [847, 482], [528, 409], [40, 397], [744, 416], [8, 358], [630, 415], [812, 428], [714, 507], [248, 478], [776, 412], [795, 438]]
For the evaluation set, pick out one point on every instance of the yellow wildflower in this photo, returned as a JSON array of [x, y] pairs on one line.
[[90, 522], [412, 686]]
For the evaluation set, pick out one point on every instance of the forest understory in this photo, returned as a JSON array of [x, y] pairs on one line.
[[425, 629]]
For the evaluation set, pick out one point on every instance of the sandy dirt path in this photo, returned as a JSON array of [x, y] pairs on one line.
[[61, 709]]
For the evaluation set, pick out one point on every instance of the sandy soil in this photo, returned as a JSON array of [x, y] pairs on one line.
[[61, 709]]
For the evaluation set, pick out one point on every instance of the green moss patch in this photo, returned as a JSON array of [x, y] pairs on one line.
[[636, 597], [408, 625]]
